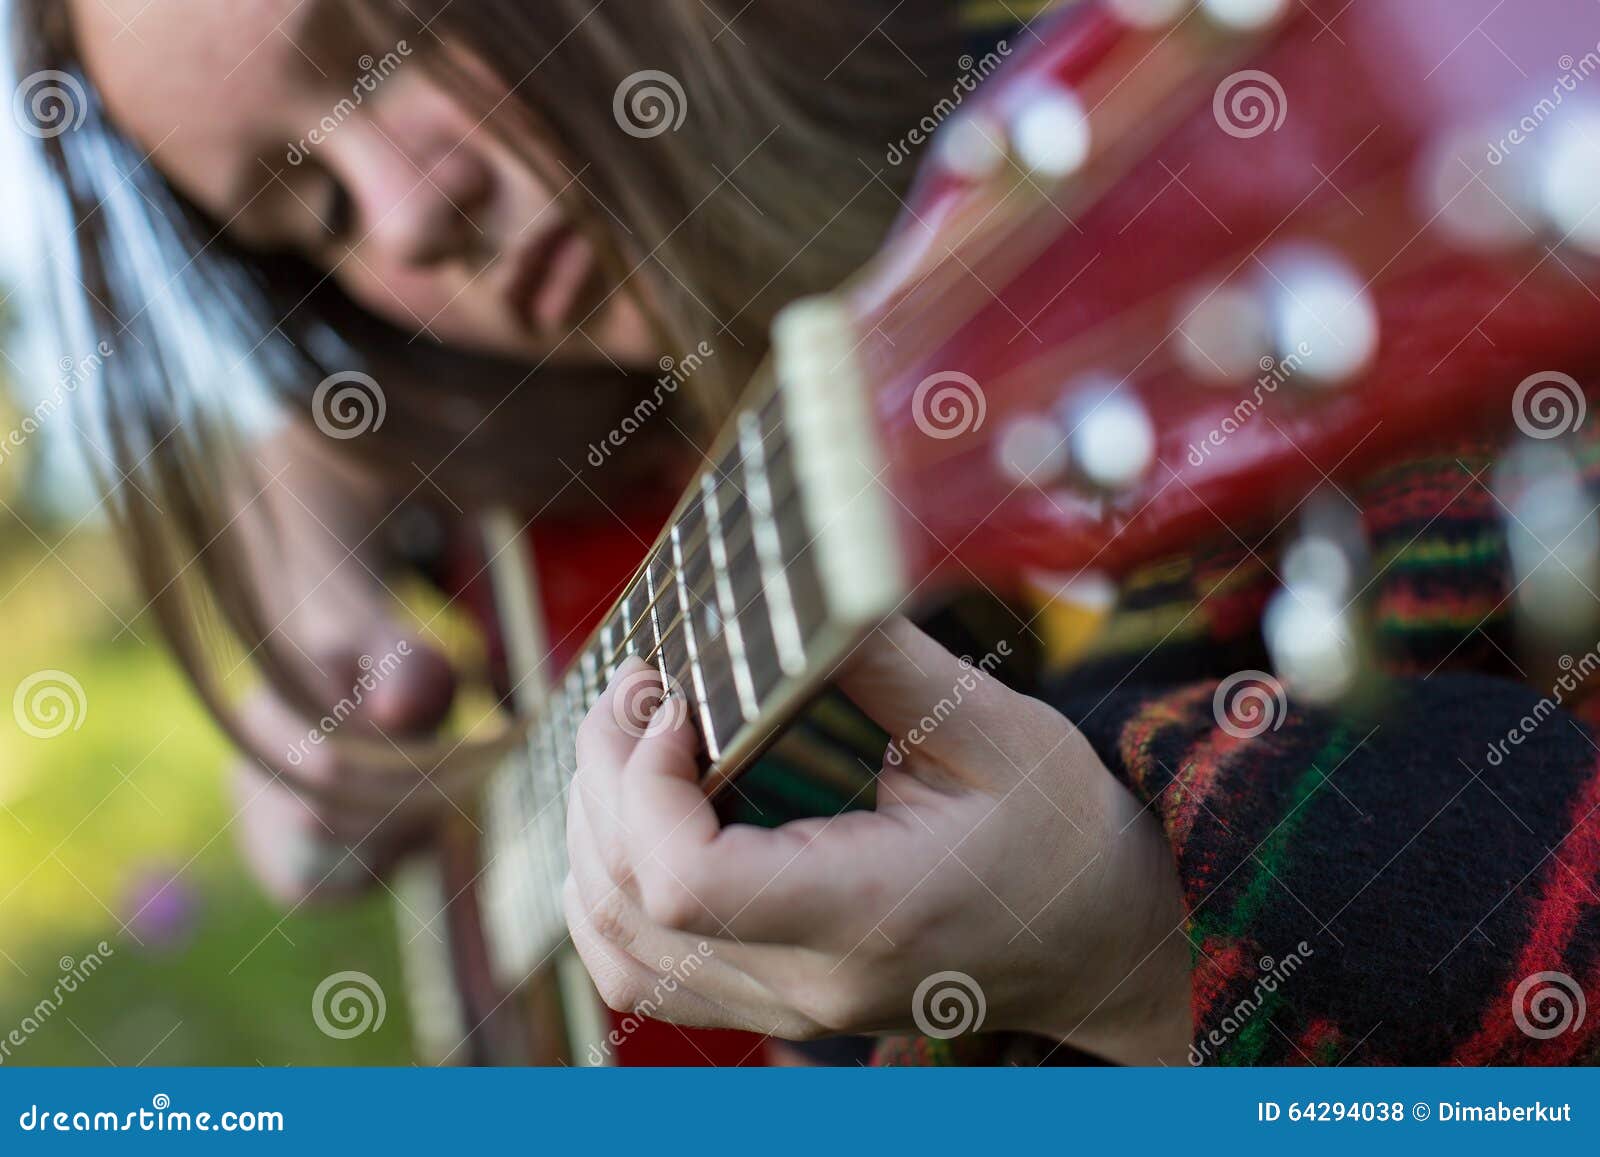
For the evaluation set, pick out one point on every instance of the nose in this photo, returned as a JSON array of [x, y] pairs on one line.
[[421, 206]]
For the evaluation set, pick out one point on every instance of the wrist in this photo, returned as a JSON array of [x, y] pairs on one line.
[[1133, 1002]]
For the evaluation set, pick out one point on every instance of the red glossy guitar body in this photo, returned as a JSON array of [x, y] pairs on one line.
[[1063, 351], [1373, 158]]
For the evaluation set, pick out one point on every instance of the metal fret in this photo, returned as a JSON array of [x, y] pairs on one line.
[[514, 800], [626, 642], [695, 611], [641, 620], [798, 546], [539, 849], [743, 680], [721, 700], [592, 686], [572, 713], [655, 625], [769, 548], [498, 821], [686, 616], [553, 811]]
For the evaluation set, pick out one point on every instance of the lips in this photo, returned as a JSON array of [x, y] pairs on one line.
[[550, 279]]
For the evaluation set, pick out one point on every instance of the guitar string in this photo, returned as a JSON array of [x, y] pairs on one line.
[[763, 412], [698, 551], [692, 555], [594, 651], [556, 728], [700, 589], [999, 244], [557, 738], [586, 693], [547, 726]]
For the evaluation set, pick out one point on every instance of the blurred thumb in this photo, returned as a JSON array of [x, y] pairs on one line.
[[928, 700], [393, 682]]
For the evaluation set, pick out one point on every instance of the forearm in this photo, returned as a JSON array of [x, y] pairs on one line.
[[1141, 1014]]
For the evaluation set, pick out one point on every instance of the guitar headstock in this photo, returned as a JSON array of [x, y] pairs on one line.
[[1179, 264]]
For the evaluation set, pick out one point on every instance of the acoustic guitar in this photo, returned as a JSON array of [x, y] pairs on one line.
[[1174, 269]]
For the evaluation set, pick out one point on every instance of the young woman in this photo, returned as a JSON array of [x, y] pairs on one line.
[[456, 199]]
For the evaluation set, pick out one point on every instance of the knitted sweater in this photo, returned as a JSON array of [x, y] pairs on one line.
[[1388, 882]]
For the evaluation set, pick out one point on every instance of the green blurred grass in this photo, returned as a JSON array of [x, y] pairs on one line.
[[138, 792]]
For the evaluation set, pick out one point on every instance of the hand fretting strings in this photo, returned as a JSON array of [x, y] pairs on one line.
[[724, 561], [526, 804], [1003, 240]]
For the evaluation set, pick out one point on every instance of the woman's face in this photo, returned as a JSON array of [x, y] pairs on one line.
[[290, 128]]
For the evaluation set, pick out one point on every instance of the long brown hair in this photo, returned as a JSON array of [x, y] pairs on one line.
[[772, 187]]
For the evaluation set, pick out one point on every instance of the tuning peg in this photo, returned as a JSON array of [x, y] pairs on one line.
[[1150, 13], [1552, 540], [1051, 133], [1244, 15], [972, 147], [1312, 644], [1233, 15], [1569, 181], [1048, 134], [1310, 624], [1100, 433], [1305, 316], [1224, 336], [1111, 441], [1323, 319], [1032, 451], [1484, 196]]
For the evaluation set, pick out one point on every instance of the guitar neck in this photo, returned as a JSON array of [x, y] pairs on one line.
[[1118, 318], [780, 556]]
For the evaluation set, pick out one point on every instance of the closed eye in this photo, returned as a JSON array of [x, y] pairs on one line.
[[337, 211]]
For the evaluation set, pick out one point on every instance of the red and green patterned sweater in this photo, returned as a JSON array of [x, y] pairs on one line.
[[1365, 885]]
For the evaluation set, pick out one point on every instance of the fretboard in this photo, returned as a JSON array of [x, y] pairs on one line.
[[744, 604]]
